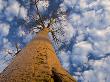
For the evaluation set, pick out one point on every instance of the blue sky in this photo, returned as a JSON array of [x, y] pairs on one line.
[[85, 51]]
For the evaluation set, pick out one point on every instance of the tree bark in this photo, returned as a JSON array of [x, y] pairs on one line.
[[37, 62]]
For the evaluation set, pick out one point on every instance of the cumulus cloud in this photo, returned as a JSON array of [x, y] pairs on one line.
[[42, 5], [80, 52], [70, 2], [4, 29], [2, 4], [23, 12], [14, 8], [92, 26], [86, 20], [89, 76], [64, 57], [21, 32], [100, 72], [68, 29]]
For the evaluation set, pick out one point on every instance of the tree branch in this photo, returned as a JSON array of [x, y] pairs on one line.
[[42, 23]]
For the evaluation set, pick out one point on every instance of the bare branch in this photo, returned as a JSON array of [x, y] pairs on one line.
[[42, 23], [51, 21], [56, 40], [17, 47]]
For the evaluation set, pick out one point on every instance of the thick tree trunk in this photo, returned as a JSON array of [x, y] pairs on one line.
[[37, 62]]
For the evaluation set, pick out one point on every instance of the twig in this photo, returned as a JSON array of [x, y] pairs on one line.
[[42, 23]]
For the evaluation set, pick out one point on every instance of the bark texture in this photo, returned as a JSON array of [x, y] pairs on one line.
[[37, 62]]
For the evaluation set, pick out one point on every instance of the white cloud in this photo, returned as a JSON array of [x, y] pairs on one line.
[[64, 57], [100, 40], [80, 38], [4, 29], [69, 30], [23, 12], [70, 2], [99, 34], [96, 34], [80, 52], [100, 72], [84, 45], [106, 3], [21, 32], [5, 40], [42, 5], [83, 4], [82, 48], [74, 17], [90, 76], [91, 15], [2, 4], [13, 9]]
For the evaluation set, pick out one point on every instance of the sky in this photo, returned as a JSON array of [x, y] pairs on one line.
[[85, 51]]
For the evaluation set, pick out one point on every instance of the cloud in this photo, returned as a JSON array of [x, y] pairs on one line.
[[83, 4], [64, 57], [92, 26], [100, 40], [12, 10], [23, 12], [68, 29], [80, 51], [42, 5], [86, 24], [15, 9], [106, 3], [4, 29], [70, 2], [100, 72], [89, 76], [2, 4], [21, 32]]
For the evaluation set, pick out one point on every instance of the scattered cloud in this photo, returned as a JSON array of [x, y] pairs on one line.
[[4, 29], [2, 4], [15, 9], [87, 30], [92, 36], [23, 12]]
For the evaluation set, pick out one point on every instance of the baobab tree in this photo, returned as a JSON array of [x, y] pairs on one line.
[[37, 62]]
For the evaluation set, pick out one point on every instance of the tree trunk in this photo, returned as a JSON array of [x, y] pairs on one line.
[[37, 62]]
